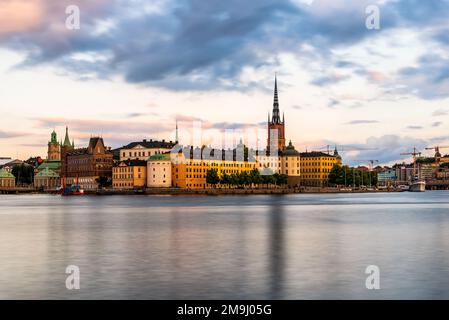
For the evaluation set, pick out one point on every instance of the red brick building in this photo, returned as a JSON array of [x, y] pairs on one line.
[[83, 166]]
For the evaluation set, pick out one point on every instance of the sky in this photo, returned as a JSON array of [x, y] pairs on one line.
[[134, 68]]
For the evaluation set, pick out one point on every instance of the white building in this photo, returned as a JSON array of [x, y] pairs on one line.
[[141, 150], [159, 171]]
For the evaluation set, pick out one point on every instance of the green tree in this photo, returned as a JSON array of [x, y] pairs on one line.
[[212, 177], [255, 177], [104, 182], [24, 174], [224, 179]]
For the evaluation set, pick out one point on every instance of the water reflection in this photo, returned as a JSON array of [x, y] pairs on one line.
[[258, 247], [276, 248]]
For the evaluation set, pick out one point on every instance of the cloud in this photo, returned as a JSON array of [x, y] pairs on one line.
[[437, 124], [11, 134], [439, 112], [412, 127], [195, 45], [386, 149], [89, 127], [429, 79], [362, 122]]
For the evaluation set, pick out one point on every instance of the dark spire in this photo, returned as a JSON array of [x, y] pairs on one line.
[[177, 137], [276, 118], [67, 139]]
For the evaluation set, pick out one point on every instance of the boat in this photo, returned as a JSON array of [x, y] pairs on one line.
[[74, 190], [415, 183], [417, 186]]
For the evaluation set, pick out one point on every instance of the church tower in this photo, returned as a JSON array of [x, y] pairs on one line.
[[276, 126], [54, 148]]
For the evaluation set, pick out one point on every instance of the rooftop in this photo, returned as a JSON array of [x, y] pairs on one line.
[[47, 173], [150, 144], [315, 154], [5, 174]]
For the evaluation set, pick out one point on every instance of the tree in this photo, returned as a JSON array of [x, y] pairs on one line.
[[224, 179], [104, 182], [255, 177], [24, 174], [243, 178], [212, 177], [282, 179]]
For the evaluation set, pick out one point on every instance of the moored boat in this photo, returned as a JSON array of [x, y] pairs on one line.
[[74, 190], [417, 186]]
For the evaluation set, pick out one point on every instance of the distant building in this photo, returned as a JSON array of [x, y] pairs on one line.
[[386, 177], [142, 150], [54, 148], [404, 173], [129, 174], [4, 160], [159, 171], [47, 179], [7, 180], [83, 166], [276, 126], [315, 168], [10, 164], [426, 171], [190, 166], [286, 160]]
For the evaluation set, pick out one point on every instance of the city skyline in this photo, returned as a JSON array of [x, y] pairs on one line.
[[338, 83]]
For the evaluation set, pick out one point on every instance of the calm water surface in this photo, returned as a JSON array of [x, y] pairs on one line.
[[226, 247]]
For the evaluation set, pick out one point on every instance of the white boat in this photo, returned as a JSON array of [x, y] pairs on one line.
[[417, 186]]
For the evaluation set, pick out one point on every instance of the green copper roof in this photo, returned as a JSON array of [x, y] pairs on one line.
[[53, 165], [67, 142], [5, 174], [54, 139], [159, 157], [47, 173]]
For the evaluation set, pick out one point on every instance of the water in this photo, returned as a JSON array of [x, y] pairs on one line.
[[225, 247]]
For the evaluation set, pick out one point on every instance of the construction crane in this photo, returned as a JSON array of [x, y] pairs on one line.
[[344, 149], [437, 150], [414, 154]]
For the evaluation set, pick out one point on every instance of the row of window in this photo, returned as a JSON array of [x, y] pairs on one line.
[[139, 153], [324, 170], [318, 164]]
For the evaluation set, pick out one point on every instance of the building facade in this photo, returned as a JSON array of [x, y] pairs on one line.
[[159, 171], [47, 179], [189, 169], [54, 148], [386, 177], [129, 174], [7, 179], [276, 126], [83, 166], [315, 168], [142, 150]]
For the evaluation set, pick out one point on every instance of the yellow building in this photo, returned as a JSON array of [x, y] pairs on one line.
[[191, 172], [316, 166], [129, 174], [287, 162]]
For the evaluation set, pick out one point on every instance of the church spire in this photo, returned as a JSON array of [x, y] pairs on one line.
[[67, 139], [177, 137], [276, 117]]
